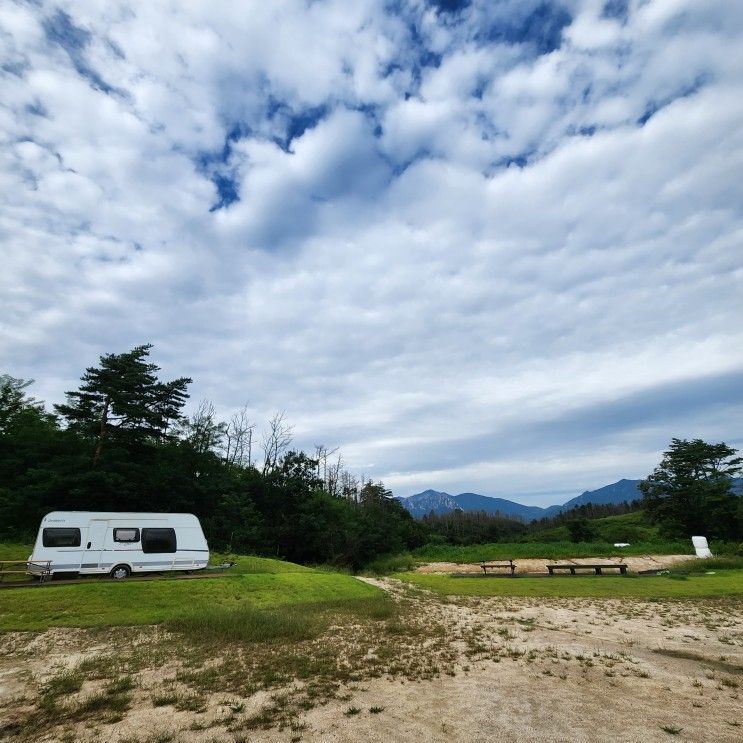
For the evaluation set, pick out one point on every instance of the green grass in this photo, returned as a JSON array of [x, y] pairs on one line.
[[250, 564], [627, 527], [292, 623], [550, 550], [259, 599], [695, 565], [245, 564], [67, 682], [98, 603], [391, 564], [727, 584], [246, 623], [15, 551]]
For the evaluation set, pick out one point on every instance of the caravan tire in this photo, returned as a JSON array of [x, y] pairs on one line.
[[120, 572]]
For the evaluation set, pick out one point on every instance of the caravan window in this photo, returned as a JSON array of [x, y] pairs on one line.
[[58, 537], [158, 540], [126, 535]]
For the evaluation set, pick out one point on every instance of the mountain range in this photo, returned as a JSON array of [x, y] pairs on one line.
[[423, 503]]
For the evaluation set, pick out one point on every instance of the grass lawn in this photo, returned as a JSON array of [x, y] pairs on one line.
[[627, 527], [15, 551], [549, 550], [257, 582], [724, 584], [249, 564]]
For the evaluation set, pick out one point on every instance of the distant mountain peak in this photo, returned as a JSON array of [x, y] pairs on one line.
[[439, 502], [421, 504]]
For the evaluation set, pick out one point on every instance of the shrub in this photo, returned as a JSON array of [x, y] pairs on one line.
[[392, 564], [696, 565]]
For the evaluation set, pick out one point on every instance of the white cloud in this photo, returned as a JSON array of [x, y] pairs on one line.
[[385, 276]]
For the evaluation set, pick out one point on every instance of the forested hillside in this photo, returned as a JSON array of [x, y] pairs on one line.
[[120, 442]]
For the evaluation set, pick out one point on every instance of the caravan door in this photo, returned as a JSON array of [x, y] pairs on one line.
[[94, 546]]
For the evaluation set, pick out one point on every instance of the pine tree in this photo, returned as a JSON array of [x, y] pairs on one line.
[[690, 491], [123, 400]]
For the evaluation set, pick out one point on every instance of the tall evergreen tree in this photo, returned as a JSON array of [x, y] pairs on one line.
[[122, 399], [15, 402], [690, 491]]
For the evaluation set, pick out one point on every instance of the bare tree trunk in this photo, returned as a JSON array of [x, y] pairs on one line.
[[239, 438], [332, 480], [103, 431], [275, 441], [328, 474], [203, 430]]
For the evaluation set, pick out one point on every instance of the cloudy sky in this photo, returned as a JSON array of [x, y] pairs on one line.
[[490, 246]]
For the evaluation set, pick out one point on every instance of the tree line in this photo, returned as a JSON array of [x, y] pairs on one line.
[[478, 527], [120, 442], [472, 527], [691, 492]]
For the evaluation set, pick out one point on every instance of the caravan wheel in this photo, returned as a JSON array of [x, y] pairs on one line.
[[120, 572]]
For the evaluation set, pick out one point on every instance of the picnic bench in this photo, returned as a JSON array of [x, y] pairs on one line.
[[485, 565], [597, 567], [41, 569]]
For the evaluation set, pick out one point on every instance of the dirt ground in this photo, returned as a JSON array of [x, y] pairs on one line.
[[538, 565], [577, 670]]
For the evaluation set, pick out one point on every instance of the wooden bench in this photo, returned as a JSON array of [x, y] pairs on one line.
[[598, 568], [11, 567], [485, 565]]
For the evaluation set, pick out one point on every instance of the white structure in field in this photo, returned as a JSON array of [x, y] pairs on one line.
[[701, 546], [119, 544]]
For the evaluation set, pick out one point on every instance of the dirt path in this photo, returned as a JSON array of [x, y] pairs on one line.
[[562, 670], [498, 669]]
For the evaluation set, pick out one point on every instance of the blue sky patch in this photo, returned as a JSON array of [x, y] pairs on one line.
[[36, 109], [227, 191], [450, 6], [291, 123], [540, 28], [215, 165], [653, 107], [16, 68], [61, 30], [618, 9]]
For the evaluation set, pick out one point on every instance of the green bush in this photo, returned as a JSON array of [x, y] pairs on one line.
[[619, 532], [393, 563], [697, 565], [726, 548]]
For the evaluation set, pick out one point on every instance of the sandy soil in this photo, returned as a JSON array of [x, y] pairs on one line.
[[538, 565], [577, 670]]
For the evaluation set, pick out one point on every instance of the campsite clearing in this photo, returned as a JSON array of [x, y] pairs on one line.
[[301, 655]]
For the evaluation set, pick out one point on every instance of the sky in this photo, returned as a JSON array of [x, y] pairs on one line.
[[484, 246]]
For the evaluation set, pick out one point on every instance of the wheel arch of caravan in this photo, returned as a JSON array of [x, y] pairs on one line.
[[95, 543]]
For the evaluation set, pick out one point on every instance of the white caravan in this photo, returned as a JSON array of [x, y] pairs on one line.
[[94, 543]]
